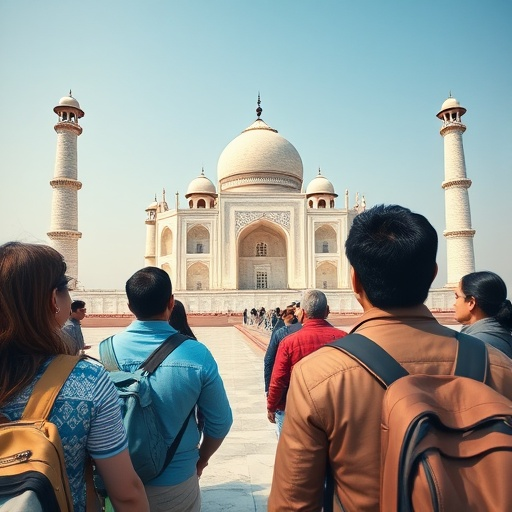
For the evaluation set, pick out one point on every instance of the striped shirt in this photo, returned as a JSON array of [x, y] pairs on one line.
[[87, 414]]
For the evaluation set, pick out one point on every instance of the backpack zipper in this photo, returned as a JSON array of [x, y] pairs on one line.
[[16, 458]]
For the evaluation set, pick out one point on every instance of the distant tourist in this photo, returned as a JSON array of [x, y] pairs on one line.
[[73, 328], [189, 376], [290, 324], [481, 305], [179, 320], [315, 333], [275, 317]]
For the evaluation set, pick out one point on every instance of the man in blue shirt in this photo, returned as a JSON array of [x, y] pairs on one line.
[[188, 376]]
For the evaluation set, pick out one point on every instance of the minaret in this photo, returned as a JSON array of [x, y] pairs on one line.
[[64, 232], [459, 234], [150, 253]]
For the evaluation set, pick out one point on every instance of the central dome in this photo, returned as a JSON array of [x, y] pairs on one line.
[[259, 159]]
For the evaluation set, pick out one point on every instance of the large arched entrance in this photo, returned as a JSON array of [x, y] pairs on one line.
[[262, 257]]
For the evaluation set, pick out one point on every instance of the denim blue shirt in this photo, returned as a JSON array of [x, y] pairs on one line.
[[188, 376]]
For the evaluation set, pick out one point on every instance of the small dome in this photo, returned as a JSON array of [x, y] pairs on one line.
[[451, 103], [201, 185], [320, 185], [69, 101], [152, 206]]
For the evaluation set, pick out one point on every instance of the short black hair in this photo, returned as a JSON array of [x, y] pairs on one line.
[[393, 251], [148, 292], [77, 304]]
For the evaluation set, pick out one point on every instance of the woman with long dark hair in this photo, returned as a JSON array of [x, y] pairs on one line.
[[179, 321], [481, 304], [34, 305]]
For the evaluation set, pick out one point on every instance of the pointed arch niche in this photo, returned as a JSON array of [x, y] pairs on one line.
[[198, 277], [198, 240], [262, 257], [326, 276], [325, 240], [166, 242]]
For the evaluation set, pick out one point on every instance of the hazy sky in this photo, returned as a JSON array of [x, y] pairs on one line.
[[166, 85]]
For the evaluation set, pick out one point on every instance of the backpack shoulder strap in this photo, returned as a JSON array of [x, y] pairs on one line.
[[48, 386], [166, 347], [174, 446], [108, 356], [372, 357], [472, 357]]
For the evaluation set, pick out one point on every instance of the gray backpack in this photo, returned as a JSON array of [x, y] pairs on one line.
[[149, 451]]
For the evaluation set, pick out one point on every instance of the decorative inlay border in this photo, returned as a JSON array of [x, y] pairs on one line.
[[66, 182], [242, 219], [462, 233], [463, 182], [272, 180], [452, 126], [63, 235], [67, 126]]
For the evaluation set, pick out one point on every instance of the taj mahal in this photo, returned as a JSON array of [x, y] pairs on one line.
[[258, 235]]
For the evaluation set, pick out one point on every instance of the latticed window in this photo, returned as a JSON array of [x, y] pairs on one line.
[[261, 249], [325, 247], [261, 280], [199, 248], [324, 284], [199, 286]]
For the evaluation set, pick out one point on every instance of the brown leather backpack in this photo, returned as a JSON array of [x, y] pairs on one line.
[[32, 467], [446, 440]]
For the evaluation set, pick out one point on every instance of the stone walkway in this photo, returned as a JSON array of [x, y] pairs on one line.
[[239, 475]]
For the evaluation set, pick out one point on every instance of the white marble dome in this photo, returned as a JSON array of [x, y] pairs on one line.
[[152, 206], [69, 101], [449, 104], [201, 185], [260, 159], [320, 185]]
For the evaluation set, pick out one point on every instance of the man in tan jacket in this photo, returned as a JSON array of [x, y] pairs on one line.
[[334, 405]]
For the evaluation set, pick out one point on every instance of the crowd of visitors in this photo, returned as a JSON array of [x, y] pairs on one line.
[[326, 406], [261, 318]]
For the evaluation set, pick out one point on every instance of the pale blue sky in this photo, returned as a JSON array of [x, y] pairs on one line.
[[166, 85]]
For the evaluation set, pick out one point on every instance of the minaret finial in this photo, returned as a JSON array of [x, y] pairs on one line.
[[319, 172], [163, 195], [70, 95], [259, 110], [155, 197], [202, 171], [450, 94]]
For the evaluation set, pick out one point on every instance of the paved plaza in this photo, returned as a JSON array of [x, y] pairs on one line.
[[239, 475]]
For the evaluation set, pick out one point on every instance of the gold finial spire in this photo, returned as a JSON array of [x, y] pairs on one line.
[[259, 110]]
